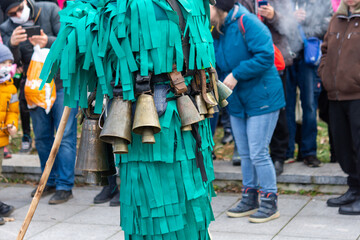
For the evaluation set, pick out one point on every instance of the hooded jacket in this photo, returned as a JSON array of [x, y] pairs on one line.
[[250, 57], [340, 62], [9, 110], [45, 14]]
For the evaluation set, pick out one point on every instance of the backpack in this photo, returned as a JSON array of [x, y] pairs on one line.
[[278, 57]]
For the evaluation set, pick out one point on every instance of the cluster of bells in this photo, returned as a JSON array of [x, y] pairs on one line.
[[96, 144]]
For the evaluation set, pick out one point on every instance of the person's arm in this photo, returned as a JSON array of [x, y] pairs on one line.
[[324, 48], [15, 50], [12, 114], [316, 25], [55, 24], [260, 45]]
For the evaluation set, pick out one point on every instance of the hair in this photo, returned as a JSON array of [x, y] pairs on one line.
[[219, 19]]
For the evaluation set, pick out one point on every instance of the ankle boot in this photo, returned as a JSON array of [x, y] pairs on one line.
[[248, 204], [268, 209], [349, 197]]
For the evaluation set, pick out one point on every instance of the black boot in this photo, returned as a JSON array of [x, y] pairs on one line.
[[279, 167], [228, 137], [5, 210], [268, 209], [236, 160], [115, 201], [349, 197], [106, 194], [351, 209], [2, 221], [248, 204]]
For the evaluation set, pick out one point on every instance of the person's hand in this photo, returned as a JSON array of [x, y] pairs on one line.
[[19, 35], [11, 129], [19, 70], [300, 15], [40, 40], [267, 11], [230, 81]]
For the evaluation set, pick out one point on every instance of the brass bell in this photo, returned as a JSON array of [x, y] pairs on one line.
[[188, 112], [201, 105], [92, 153], [211, 98], [224, 92], [117, 126], [95, 178], [146, 120], [211, 112]]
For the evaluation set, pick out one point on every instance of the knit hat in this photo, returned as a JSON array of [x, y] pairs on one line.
[[5, 53], [7, 4], [225, 5]]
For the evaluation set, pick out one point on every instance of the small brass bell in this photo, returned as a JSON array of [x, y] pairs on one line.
[[188, 112], [146, 120], [224, 93], [201, 105], [212, 100], [117, 126]]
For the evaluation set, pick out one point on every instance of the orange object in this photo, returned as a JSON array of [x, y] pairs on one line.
[[44, 98]]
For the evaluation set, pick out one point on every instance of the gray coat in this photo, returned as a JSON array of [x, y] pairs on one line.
[[46, 15]]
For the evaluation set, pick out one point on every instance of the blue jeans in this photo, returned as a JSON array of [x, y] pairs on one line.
[[252, 138], [305, 77], [62, 174]]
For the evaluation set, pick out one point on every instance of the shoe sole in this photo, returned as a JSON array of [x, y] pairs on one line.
[[243, 214], [102, 201], [262, 220], [348, 213], [54, 202], [44, 194]]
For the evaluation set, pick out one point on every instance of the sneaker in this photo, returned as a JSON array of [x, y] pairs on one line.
[[26, 145], [60, 196], [5, 210], [105, 195], [47, 191], [289, 160], [228, 138], [312, 161], [268, 209], [115, 201], [7, 154], [248, 205]]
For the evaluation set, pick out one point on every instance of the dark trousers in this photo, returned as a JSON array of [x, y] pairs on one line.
[[280, 139], [344, 118], [24, 111]]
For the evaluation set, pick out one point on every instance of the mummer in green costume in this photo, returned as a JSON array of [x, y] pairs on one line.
[[153, 59]]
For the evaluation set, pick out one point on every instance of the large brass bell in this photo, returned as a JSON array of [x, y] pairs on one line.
[[92, 156], [117, 126], [188, 112], [201, 105], [146, 120], [224, 92]]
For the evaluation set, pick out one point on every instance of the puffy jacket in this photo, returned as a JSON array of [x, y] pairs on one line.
[[9, 110], [340, 62], [250, 57], [46, 15]]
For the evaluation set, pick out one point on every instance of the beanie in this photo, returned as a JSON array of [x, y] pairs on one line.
[[7, 4], [5, 53], [225, 5]]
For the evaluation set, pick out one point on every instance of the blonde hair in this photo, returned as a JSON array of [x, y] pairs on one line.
[[219, 19]]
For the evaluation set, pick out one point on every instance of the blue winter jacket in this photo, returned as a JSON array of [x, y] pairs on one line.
[[250, 57]]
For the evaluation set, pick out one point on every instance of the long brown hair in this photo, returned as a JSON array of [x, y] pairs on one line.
[[218, 19]]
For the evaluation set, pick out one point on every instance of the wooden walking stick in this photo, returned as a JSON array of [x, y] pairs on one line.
[[46, 173]]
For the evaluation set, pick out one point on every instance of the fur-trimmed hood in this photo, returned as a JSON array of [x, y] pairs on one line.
[[343, 9]]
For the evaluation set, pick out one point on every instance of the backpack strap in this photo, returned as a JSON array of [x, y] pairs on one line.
[[241, 24]]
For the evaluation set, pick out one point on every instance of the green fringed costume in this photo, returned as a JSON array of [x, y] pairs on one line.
[[163, 194]]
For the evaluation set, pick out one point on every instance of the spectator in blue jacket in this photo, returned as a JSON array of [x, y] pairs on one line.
[[245, 62]]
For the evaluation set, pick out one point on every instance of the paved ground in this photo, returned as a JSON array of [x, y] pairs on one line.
[[301, 218]]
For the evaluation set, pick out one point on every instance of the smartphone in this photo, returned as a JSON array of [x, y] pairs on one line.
[[33, 30], [263, 3]]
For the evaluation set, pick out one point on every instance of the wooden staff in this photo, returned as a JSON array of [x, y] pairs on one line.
[[46, 173]]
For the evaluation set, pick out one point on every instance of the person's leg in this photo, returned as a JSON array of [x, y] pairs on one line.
[[214, 122], [310, 88], [259, 131], [343, 149], [291, 84], [250, 199], [66, 156], [353, 112], [239, 127], [44, 138]]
